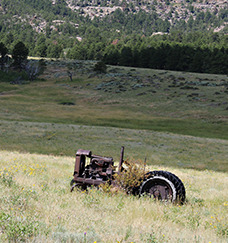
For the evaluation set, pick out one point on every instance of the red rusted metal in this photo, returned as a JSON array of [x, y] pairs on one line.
[[161, 185], [121, 159], [98, 171]]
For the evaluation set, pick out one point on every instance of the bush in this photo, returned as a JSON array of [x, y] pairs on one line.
[[100, 67], [12, 76], [131, 175], [42, 66]]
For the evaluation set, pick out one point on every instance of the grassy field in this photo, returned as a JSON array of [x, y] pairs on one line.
[[183, 103], [125, 106], [37, 206], [159, 148], [177, 121]]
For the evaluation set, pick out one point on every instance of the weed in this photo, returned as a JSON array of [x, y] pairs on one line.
[[128, 233], [120, 204], [6, 178], [18, 228], [90, 199], [131, 177], [222, 229], [148, 237], [62, 235], [198, 201]]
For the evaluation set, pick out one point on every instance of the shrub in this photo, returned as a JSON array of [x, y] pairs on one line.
[[100, 67], [42, 66], [131, 175]]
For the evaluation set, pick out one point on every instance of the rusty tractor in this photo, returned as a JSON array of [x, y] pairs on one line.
[[161, 185]]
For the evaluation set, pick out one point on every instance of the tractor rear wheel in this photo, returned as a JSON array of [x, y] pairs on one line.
[[164, 186]]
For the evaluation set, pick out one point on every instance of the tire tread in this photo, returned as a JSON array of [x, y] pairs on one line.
[[179, 186]]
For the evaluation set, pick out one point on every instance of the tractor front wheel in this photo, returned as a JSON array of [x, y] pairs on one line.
[[164, 186]]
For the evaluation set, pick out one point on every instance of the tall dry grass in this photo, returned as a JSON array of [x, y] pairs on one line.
[[36, 206]]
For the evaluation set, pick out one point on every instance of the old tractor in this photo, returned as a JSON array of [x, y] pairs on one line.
[[96, 170]]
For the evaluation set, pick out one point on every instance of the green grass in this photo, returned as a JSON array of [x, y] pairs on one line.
[[123, 107], [140, 99]]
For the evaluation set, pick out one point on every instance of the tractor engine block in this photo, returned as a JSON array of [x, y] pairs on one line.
[[98, 171], [100, 168]]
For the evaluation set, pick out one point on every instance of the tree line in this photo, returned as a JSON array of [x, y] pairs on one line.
[[171, 57], [194, 53]]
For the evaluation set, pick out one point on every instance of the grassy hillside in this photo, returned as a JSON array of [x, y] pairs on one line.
[[37, 206], [184, 103], [141, 109], [153, 114]]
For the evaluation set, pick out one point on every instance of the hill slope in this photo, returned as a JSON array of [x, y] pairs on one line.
[[65, 22], [122, 107], [211, 14]]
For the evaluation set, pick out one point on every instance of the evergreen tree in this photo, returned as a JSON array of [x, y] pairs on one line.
[[197, 61], [54, 50], [19, 54], [41, 47], [3, 52], [126, 56]]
